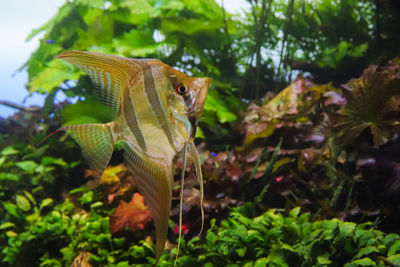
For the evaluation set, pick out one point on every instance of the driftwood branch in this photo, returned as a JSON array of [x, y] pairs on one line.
[[20, 107]]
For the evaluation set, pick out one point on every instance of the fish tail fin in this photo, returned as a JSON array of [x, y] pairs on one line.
[[154, 181], [96, 141]]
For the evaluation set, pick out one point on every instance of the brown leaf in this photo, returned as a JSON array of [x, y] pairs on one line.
[[254, 155], [133, 214], [191, 198], [88, 174], [310, 155], [286, 102], [219, 204], [221, 156], [233, 171], [372, 102], [82, 260]]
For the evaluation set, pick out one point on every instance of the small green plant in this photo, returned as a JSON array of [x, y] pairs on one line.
[[22, 167], [243, 239], [58, 237], [294, 240]]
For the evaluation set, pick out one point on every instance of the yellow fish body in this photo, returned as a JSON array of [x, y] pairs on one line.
[[157, 109]]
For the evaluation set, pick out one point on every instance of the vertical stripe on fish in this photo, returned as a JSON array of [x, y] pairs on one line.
[[132, 120], [154, 99]]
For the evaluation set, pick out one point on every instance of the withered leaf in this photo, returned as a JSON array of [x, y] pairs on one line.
[[82, 260], [233, 171], [133, 214]]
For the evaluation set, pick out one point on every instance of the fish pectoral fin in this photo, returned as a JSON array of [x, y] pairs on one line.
[[153, 178], [96, 142], [108, 73], [175, 116]]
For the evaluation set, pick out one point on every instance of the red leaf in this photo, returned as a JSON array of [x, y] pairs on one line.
[[133, 214], [185, 229]]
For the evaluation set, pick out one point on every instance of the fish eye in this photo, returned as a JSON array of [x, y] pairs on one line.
[[181, 89]]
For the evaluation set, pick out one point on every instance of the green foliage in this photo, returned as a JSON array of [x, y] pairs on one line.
[[185, 34], [219, 106], [243, 239], [129, 29], [294, 240], [59, 230], [330, 39], [23, 167], [88, 111], [55, 73], [333, 56]]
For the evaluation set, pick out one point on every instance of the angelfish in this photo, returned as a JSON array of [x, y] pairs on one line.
[[157, 109]]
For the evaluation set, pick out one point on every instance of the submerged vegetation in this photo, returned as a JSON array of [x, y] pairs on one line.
[[299, 138]]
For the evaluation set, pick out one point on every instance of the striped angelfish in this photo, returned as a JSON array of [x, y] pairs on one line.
[[157, 109]]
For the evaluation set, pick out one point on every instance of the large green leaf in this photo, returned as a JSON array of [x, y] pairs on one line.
[[89, 111], [23, 203], [28, 165], [189, 26], [364, 262], [394, 248], [53, 76], [395, 259], [136, 43], [11, 208], [214, 102], [9, 151]]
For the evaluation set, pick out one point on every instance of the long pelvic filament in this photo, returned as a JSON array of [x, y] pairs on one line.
[[197, 165], [181, 201]]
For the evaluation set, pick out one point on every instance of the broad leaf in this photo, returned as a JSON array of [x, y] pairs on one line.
[[133, 214]]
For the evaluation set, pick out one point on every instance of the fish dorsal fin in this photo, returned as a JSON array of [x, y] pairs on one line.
[[96, 142], [145, 61], [109, 73], [154, 181]]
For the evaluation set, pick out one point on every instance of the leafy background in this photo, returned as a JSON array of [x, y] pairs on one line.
[[302, 117]]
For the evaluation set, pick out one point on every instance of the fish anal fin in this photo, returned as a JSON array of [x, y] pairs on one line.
[[108, 73], [96, 142], [153, 179]]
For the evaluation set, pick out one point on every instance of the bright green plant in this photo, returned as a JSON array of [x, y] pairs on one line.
[[245, 55], [22, 167], [272, 239], [184, 34], [243, 239], [59, 236]]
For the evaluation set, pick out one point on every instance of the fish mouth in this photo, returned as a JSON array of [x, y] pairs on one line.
[[196, 104], [198, 99]]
